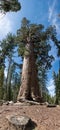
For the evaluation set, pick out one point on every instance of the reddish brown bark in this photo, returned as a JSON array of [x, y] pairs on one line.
[[29, 88]]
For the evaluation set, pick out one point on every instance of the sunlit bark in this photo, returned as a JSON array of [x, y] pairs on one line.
[[29, 88]]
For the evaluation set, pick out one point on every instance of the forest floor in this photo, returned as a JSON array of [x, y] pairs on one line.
[[46, 118]]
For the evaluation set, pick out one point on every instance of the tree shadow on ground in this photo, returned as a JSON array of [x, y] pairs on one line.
[[32, 125]]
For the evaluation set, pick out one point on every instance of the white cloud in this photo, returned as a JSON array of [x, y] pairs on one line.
[[53, 16], [5, 25], [51, 10], [51, 87], [50, 13]]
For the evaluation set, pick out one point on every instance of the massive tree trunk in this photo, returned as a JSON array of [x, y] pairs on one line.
[[29, 88]]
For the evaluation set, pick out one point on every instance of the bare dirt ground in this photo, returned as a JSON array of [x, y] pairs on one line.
[[45, 118]]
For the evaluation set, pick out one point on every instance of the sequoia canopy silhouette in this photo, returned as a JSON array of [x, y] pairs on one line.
[[9, 5]]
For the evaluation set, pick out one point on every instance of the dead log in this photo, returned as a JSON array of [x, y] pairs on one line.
[[51, 105]]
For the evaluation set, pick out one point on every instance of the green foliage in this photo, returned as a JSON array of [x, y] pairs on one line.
[[21, 51], [8, 44], [51, 31], [39, 38], [50, 100], [9, 5], [7, 47]]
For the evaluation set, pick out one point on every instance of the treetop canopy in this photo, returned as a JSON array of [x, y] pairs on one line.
[[9, 5]]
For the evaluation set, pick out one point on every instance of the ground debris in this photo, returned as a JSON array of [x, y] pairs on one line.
[[46, 118]]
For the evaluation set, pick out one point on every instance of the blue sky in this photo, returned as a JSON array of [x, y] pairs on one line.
[[37, 11]]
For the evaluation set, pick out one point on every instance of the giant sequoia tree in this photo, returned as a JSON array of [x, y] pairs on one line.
[[34, 47]]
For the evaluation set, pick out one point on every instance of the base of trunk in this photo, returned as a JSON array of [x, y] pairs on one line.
[[21, 99], [36, 99]]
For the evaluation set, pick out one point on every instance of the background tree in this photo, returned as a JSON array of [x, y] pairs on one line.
[[1, 82], [56, 78], [7, 51], [43, 79], [15, 84], [6, 44]]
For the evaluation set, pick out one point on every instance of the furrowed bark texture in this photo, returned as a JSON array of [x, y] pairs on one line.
[[29, 88]]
